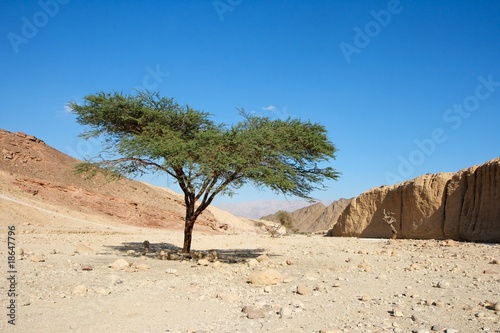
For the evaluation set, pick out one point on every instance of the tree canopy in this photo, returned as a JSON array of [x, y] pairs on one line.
[[149, 133]]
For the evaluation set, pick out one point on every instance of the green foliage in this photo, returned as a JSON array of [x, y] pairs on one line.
[[285, 219], [149, 133]]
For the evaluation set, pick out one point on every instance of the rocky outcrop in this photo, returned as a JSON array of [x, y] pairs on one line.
[[314, 218], [462, 206]]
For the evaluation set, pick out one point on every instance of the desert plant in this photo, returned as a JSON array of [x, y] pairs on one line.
[[145, 132]]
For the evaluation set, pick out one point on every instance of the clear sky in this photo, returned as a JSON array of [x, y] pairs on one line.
[[403, 87]]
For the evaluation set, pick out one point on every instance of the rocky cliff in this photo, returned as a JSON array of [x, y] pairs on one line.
[[462, 206]]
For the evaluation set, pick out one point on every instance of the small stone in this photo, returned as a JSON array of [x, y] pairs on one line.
[[171, 271], [247, 308], [439, 304], [256, 314], [82, 248], [365, 298], [289, 262], [451, 330], [229, 296], [285, 312], [21, 251], [37, 258], [130, 252], [87, 268], [101, 291], [80, 290], [53, 251], [262, 258], [268, 289], [217, 264], [443, 284], [203, 262], [436, 328], [490, 272], [141, 267], [396, 312], [252, 263], [303, 290], [119, 264]]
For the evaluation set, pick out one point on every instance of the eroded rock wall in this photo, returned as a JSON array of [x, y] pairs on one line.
[[463, 206]]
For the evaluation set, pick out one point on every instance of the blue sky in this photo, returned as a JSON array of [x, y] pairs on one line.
[[403, 87]]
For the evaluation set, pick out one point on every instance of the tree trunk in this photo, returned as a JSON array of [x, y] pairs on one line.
[[188, 235], [189, 221]]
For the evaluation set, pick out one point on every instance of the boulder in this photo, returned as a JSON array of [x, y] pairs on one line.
[[267, 277]]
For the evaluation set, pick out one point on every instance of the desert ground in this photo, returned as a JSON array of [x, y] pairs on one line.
[[78, 274]]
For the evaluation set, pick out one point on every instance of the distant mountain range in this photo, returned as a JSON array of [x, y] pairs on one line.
[[257, 209]]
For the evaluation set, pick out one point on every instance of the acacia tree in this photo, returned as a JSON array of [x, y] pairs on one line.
[[148, 133]]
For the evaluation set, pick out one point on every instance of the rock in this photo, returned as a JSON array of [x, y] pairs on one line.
[[365, 298], [247, 308], [436, 328], [451, 330], [442, 205], [119, 264], [256, 314], [443, 284], [80, 290], [252, 312], [141, 267], [82, 248], [217, 264], [101, 291], [262, 258], [171, 271], [303, 290], [228, 296], [87, 268], [131, 252], [285, 312], [37, 258], [268, 277], [289, 262], [252, 262], [203, 262]]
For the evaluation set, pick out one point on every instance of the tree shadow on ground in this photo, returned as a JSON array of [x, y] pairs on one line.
[[167, 251]]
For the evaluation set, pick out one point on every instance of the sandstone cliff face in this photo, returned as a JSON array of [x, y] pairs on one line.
[[462, 206]]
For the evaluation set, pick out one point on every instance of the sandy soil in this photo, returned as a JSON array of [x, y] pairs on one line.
[[329, 284]]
